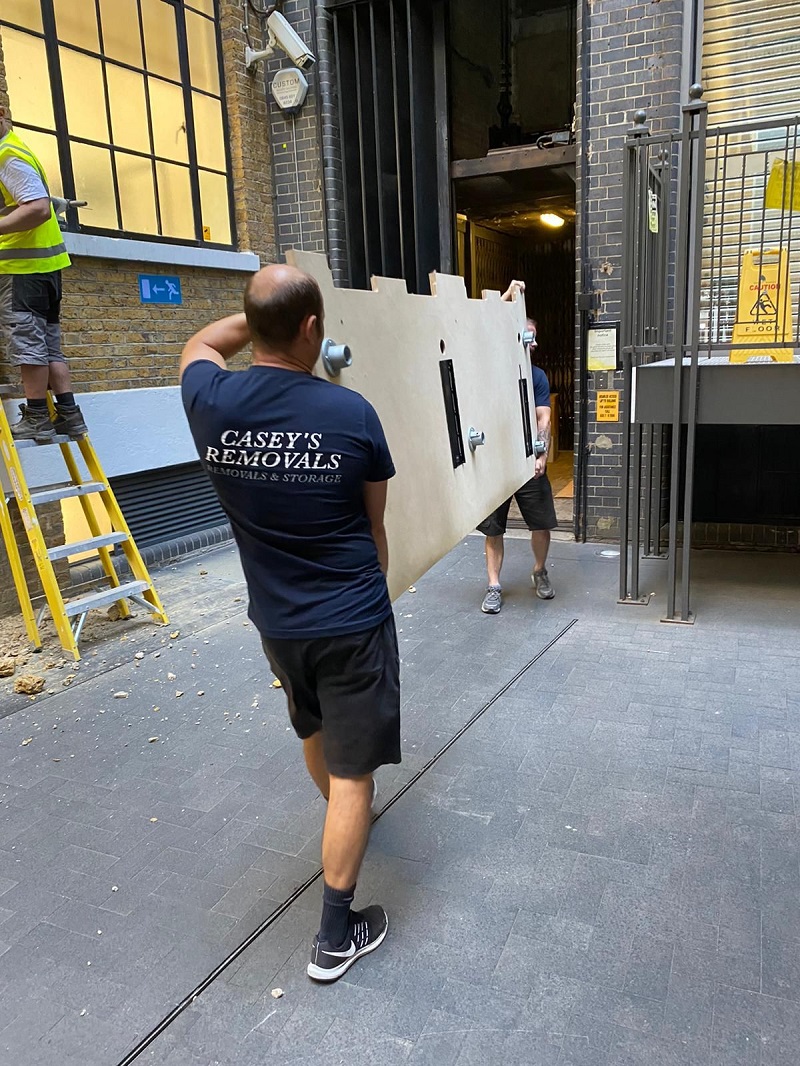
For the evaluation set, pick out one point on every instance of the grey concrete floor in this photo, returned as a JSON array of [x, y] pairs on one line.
[[603, 870]]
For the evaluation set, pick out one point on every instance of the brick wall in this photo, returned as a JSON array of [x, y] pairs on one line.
[[115, 342], [297, 162], [111, 340], [634, 62]]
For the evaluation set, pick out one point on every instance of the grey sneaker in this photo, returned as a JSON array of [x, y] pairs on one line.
[[69, 421], [542, 584], [493, 600], [34, 424]]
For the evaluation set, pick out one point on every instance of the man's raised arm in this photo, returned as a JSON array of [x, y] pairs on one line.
[[217, 342]]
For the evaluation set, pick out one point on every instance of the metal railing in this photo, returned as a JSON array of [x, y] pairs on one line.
[[702, 206]]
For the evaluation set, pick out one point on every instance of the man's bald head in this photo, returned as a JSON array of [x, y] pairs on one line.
[[279, 303]]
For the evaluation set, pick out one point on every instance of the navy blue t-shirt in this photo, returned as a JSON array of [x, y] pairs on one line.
[[541, 387], [288, 455]]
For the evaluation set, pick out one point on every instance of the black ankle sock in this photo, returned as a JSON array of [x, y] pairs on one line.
[[67, 398], [37, 405], [335, 914]]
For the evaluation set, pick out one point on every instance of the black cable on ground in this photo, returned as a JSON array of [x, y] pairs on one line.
[[165, 1022]]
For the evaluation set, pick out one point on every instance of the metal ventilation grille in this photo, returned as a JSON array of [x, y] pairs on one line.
[[160, 505]]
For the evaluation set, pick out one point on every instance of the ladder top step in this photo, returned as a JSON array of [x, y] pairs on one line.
[[105, 540], [59, 438], [103, 597], [64, 492]]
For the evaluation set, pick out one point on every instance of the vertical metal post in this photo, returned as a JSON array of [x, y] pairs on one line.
[[443, 182], [631, 225], [679, 336], [684, 261], [699, 109]]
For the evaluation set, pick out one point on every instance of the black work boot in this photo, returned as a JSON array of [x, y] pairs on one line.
[[69, 421], [35, 425]]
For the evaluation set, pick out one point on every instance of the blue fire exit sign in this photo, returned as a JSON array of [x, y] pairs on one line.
[[159, 289]]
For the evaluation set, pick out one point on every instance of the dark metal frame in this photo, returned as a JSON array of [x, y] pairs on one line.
[[391, 75], [656, 323], [63, 137], [664, 276]]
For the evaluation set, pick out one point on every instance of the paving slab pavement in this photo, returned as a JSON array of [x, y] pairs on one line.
[[602, 870]]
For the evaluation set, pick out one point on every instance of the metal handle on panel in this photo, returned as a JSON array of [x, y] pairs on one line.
[[335, 357], [475, 438]]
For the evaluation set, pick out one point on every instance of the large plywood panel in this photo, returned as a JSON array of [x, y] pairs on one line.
[[397, 340]]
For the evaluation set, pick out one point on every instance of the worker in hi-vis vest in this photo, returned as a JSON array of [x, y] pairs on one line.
[[32, 256]]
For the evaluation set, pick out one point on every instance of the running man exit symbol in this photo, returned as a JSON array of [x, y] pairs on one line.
[[159, 289]]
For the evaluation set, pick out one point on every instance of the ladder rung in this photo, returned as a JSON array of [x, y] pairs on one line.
[[103, 597], [64, 492], [58, 439], [106, 540]]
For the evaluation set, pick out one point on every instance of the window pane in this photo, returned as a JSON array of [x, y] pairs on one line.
[[128, 108], [169, 120], [26, 13], [121, 37], [160, 39], [175, 200], [136, 193], [93, 182], [214, 201], [206, 6], [45, 147], [202, 41], [208, 131], [84, 95], [76, 23], [28, 79]]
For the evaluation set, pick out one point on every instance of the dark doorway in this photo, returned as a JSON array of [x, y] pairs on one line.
[[512, 103]]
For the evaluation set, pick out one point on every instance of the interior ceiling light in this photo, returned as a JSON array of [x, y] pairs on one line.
[[550, 218]]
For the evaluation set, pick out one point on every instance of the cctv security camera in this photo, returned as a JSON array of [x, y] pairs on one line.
[[281, 32]]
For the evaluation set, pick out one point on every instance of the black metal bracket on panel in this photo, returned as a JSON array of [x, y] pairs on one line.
[[588, 301], [525, 406], [451, 410]]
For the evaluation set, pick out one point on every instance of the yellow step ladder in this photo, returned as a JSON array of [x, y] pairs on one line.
[[69, 615]]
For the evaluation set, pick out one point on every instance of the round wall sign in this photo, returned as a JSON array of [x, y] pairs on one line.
[[289, 88]]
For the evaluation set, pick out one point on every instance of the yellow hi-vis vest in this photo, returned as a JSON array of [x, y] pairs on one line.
[[39, 250]]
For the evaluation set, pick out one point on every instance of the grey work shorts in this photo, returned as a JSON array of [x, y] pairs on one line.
[[30, 308]]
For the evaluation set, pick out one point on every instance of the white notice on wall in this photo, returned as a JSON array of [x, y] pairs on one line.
[[602, 348]]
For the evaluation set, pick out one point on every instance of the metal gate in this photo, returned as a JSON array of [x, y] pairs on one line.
[[392, 116], [701, 207]]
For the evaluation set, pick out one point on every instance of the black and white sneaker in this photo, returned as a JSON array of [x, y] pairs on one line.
[[368, 929]]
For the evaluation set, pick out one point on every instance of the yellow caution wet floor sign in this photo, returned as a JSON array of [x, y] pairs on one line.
[[764, 314]]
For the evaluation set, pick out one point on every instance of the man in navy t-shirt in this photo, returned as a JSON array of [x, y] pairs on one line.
[[534, 499], [301, 467]]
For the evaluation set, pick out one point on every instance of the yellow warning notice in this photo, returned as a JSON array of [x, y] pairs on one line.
[[764, 314], [608, 407], [783, 188]]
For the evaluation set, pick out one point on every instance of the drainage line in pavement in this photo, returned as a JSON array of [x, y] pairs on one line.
[[165, 1023]]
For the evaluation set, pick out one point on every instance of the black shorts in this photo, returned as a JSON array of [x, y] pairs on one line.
[[535, 502], [348, 687]]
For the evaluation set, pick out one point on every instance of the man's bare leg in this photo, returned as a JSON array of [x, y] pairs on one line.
[[540, 542], [34, 380], [60, 380], [494, 558], [315, 763], [347, 823]]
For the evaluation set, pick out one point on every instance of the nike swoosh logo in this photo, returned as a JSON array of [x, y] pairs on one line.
[[344, 954]]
